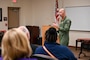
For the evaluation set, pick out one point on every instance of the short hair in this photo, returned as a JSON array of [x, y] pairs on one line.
[[63, 11], [25, 30], [51, 35], [15, 44]]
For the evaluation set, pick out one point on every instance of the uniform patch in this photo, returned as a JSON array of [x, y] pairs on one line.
[[68, 21], [66, 25]]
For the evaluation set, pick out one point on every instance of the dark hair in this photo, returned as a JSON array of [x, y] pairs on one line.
[[51, 35]]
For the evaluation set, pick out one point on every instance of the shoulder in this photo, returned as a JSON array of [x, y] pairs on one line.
[[67, 19], [64, 47], [38, 49]]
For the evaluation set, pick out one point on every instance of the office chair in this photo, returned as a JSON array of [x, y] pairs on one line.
[[42, 57]]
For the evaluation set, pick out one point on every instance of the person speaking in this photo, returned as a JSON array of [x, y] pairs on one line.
[[63, 27]]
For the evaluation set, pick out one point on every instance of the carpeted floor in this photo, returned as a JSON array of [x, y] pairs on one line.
[[82, 57]]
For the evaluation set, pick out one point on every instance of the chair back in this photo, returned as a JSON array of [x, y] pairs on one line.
[[42, 57]]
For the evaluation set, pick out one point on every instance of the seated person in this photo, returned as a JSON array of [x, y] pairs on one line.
[[15, 46], [58, 51], [25, 30], [1, 36]]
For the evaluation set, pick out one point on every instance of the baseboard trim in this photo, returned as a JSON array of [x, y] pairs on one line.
[[73, 46]]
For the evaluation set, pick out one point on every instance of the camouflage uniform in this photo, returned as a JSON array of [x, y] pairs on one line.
[[64, 28]]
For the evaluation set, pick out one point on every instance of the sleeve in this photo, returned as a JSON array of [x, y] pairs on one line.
[[40, 50], [66, 26]]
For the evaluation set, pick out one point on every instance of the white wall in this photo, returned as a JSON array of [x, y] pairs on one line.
[[41, 12], [77, 34]]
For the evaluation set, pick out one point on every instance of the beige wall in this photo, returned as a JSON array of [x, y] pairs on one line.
[[41, 12], [25, 11]]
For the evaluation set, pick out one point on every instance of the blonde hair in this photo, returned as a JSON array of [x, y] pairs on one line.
[[15, 44]]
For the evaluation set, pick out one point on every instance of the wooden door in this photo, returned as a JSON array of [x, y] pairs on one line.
[[13, 17]]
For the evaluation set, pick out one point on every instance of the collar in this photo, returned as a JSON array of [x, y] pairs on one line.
[[64, 18]]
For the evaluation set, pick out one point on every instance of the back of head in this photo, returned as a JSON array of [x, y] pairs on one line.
[[25, 30], [51, 35], [15, 45]]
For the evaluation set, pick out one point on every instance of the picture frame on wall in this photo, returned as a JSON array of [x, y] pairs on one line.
[[0, 14]]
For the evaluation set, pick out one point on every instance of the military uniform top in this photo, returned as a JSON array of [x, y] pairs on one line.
[[64, 28]]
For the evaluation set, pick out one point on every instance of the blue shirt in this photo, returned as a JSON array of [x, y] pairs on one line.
[[59, 51]]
